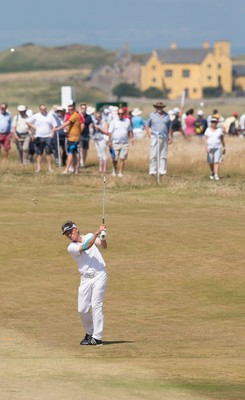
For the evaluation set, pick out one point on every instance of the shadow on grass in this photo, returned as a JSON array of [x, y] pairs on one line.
[[105, 343]]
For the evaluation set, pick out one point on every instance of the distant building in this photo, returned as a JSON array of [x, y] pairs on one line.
[[174, 70], [238, 72]]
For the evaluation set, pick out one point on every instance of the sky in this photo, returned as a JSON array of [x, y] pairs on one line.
[[143, 24]]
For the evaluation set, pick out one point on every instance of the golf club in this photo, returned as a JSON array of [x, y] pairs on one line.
[[103, 233]]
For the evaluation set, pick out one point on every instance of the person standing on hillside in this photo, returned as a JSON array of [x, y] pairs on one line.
[[5, 129], [92, 268], [43, 124], [75, 127], [158, 128]]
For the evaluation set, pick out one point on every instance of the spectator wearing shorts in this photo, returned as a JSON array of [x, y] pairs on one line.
[[214, 140], [22, 134], [120, 131], [74, 127], [43, 124], [5, 129]]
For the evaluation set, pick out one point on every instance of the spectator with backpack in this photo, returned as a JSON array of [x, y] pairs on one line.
[[231, 125], [200, 124]]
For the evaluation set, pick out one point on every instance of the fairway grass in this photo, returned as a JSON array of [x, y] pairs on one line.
[[174, 308]]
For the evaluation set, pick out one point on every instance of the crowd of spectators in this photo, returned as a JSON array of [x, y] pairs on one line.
[[64, 134]]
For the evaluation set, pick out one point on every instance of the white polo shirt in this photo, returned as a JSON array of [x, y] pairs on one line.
[[88, 261], [120, 130], [43, 124], [214, 138]]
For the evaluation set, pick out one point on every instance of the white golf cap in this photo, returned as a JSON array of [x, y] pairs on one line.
[[199, 112]]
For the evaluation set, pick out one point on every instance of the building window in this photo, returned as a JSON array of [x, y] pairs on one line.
[[168, 73], [219, 66], [194, 90], [186, 73], [153, 67], [209, 66], [153, 80], [209, 78]]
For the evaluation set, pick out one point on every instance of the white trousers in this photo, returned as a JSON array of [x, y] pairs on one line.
[[100, 146], [161, 152], [90, 300]]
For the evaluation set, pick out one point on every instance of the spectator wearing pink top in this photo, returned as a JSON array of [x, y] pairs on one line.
[[189, 122]]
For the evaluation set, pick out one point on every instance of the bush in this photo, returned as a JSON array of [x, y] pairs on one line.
[[126, 90], [211, 91], [154, 93]]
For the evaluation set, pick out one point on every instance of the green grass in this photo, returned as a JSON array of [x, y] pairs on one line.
[[40, 58], [174, 306]]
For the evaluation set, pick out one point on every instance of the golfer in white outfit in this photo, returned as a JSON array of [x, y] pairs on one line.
[[84, 250]]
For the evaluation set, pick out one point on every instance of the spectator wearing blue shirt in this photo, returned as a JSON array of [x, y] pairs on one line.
[[5, 129], [158, 128], [138, 124]]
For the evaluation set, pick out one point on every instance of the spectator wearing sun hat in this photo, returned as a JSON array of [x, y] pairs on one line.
[[138, 124], [22, 134], [214, 140], [158, 128]]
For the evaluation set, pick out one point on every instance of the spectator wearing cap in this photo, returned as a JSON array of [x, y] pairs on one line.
[[138, 124], [5, 129], [231, 125], [215, 113], [176, 125], [158, 128], [200, 124], [214, 140], [100, 137], [22, 134], [85, 137]]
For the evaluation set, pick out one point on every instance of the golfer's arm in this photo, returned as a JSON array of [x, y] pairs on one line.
[[87, 245]]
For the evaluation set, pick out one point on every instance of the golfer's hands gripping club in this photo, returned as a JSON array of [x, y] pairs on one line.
[[102, 230]]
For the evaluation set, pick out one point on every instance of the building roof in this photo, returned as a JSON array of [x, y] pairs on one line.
[[238, 70], [182, 56]]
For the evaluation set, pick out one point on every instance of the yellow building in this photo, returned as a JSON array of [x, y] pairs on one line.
[[174, 70]]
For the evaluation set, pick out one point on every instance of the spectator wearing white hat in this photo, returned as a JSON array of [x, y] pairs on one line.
[[176, 125], [214, 140], [22, 134], [138, 124], [200, 124]]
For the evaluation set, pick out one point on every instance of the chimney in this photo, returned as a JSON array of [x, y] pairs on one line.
[[173, 45], [205, 45]]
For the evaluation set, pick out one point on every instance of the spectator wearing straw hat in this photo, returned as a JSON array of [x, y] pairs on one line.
[[138, 124], [158, 128]]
